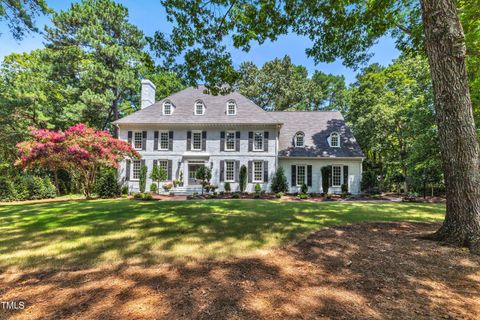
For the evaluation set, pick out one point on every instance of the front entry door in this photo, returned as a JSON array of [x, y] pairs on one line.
[[192, 171]]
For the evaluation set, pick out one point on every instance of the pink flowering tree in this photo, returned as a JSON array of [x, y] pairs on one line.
[[80, 150]]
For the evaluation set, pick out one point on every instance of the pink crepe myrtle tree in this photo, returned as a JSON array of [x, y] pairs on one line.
[[80, 150]]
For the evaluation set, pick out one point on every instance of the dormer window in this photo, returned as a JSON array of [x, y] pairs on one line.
[[231, 108], [299, 139], [199, 108], [335, 140], [167, 108]]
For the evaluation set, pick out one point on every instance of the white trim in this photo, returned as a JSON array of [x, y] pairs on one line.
[[225, 170], [229, 102], [304, 175], [139, 170], [263, 141], [171, 108], [295, 139], [198, 102], [141, 140], [160, 140], [341, 175], [262, 170], [192, 142], [330, 139], [234, 141]]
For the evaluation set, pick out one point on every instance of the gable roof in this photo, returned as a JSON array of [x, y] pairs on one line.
[[215, 110], [317, 127]]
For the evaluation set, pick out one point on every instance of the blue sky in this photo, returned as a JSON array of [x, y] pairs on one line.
[[149, 16]]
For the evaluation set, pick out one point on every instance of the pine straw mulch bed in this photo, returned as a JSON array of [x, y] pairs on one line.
[[362, 271]]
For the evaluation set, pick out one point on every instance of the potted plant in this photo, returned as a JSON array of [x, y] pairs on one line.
[[167, 186]]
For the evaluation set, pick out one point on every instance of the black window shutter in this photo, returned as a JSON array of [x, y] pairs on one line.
[[155, 140], [142, 163], [189, 140], [222, 177], [294, 175], [127, 170], [170, 140], [309, 175], [250, 173], [345, 175], [130, 135], [222, 141], [237, 141], [250, 141], [169, 175], [204, 140], [330, 180], [265, 141], [265, 171], [154, 164], [237, 171], [144, 140]]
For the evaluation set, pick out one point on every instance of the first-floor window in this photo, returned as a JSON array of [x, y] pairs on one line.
[[300, 175], [197, 140], [163, 164], [229, 171], [136, 169], [164, 143], [258, 141], [336, 176], [257, 171], [230, 141], [137, 140]]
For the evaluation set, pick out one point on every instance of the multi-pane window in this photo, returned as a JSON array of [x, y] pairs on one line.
[[137, 140], [199, 108], [336, 176], [258, 141], [164, 141], [299, 139], [230, 141], [136, 169], [167, 108], [334, 140], [231, 108], [300, 175], [229, 171], [163, 164], [197, 140], [257, 171]]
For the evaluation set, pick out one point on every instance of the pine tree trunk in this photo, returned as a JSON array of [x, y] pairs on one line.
[[445, 47]]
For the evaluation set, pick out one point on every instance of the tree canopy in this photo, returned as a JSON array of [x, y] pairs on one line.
[[20, 15]]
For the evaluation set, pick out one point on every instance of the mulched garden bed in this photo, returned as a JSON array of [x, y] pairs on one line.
[[361, 271]]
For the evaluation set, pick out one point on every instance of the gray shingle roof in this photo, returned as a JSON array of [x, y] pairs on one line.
[[317, 127], [215, 110]]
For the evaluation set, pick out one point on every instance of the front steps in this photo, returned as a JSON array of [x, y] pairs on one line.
[[186, 190]]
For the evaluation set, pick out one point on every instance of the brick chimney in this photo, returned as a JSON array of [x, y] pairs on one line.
[[147, 94]]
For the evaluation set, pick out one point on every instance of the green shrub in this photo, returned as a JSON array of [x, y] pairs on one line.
[[279, 181], [302, 196], [243, 178], [258, 188], [36, 187], [125, 189], [369, 182], [326, 172], [107, 185], [227, 187], [344, 188], [279, 195], [49, 189], [235, 195], [137, 195], [304, 188], [7, 190], [147, 196], [143, 178], [153, 187]]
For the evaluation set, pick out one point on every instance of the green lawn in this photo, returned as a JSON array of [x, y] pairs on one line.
[[88, 233]]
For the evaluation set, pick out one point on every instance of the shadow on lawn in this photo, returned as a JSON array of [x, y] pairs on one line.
[[363, 271], [86, 233]]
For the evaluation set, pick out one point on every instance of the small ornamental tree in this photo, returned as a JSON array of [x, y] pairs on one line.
[[326, 172], [80, 150], [279, 181], [158, 175], [143, 178], [243, 178], [204, 175]]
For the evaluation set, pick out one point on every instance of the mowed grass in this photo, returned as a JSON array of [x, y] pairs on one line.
[[78, 234]]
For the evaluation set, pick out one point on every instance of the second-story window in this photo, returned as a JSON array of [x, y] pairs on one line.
[[196, 140], [137, 140], [164, 143], [231, 108], [230, 141], [258, 141], [199, 108]]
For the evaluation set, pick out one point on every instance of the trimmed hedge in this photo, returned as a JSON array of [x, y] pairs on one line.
[[26, 188]]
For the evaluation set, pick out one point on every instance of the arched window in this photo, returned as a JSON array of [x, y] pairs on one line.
[[231, 108], [334, 139], [199, 108], [299, 139], [167, 108]]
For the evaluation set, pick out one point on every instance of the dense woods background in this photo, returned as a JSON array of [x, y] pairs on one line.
[[93, 60]]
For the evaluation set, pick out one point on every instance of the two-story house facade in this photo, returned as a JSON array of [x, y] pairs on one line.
[[192, 128]]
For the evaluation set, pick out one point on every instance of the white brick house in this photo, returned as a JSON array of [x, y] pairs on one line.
[[192, 128]]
